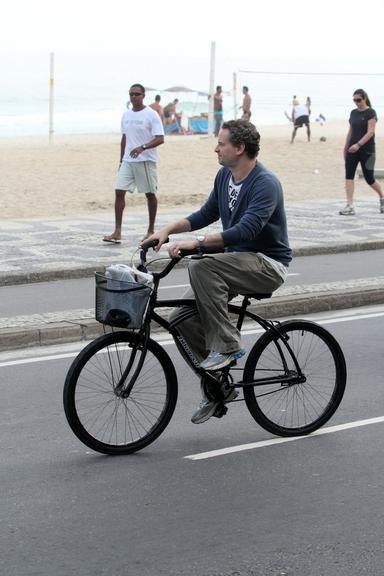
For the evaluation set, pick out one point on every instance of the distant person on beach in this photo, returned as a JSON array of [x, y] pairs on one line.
[[158, 107], [360, 148], [300, 117], [142, 131], [246, 105], [179, 120], [321, 119], [308, 104], [170, 116], [218, 109], [251, 253]]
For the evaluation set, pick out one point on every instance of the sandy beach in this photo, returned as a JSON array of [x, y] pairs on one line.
[[76, 174]]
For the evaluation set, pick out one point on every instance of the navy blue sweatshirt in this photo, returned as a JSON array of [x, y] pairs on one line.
[[257, 222]]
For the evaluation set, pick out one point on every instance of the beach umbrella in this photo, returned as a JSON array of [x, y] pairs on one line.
[[178, 89]]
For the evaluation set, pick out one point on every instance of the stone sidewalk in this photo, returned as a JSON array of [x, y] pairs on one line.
[[36, 250]]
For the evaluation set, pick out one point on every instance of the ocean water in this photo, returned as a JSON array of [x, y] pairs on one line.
[[97, 107]]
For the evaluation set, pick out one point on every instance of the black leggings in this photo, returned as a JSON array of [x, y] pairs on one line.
[[367, 161]]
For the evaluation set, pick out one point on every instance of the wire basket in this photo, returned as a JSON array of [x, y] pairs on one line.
[[119, 303]]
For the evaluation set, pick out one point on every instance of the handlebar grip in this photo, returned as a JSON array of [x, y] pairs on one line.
[[183, 253], [147, 244]]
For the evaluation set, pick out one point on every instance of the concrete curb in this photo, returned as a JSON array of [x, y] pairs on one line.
[[10, 278], [285, 306], [339, 248]]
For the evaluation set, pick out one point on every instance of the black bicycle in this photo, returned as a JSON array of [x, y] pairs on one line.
[[121, 390]]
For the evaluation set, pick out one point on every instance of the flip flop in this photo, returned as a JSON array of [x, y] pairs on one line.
[[111, 240]]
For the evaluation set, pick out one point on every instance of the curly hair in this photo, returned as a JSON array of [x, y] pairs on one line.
[[243, 132]]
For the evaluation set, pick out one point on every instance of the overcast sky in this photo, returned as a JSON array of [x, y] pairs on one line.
[[168, 42]]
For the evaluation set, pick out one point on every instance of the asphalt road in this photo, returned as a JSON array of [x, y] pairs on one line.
[[308, 507], [77, 294]]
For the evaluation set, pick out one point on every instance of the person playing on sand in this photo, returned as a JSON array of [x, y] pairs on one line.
[[308, 103], [300, 117], [142, 131]]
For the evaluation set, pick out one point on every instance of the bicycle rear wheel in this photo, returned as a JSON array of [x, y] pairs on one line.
[[289, 408], [95, 405]]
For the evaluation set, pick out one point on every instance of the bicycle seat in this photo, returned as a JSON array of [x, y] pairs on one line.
[[258, 295]]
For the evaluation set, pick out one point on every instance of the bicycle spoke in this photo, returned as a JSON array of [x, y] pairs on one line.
[[286, 406], [109, 413]]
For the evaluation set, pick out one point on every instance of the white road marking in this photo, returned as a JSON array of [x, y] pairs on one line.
[[164, 340], [38, 359], [174, 286], [350, 318], [273, 441]]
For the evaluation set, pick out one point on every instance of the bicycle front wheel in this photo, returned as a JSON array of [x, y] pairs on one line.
[[112, 405], [295, 406]]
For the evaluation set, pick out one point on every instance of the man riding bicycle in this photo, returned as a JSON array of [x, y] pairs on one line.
[[250, 255]]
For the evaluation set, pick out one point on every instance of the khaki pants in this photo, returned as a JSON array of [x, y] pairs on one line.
[[215, 280]]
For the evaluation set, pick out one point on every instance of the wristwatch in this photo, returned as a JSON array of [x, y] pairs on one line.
[[200, 240]]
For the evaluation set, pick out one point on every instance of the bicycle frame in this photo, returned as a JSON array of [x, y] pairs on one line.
[[289, 378]]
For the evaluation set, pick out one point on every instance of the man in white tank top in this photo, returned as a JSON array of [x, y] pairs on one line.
[[300, 117]]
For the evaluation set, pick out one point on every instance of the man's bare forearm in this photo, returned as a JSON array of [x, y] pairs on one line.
[[178, 227]]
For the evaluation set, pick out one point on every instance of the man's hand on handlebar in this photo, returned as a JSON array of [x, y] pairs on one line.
[[161, 236], [176, 247], [156, 240]]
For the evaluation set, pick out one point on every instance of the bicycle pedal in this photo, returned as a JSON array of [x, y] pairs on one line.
[[220, 411]]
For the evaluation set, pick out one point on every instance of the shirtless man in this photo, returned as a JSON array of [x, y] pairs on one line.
[[158, 107], [218, 109], [246, 107]]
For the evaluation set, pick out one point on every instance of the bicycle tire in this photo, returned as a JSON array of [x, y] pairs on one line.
[[105, 421], [296, 409]]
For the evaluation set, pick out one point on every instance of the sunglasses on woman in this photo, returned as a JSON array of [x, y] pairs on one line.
[[358, 99]]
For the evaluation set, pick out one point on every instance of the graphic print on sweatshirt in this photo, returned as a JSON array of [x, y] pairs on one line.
[[233, 193]]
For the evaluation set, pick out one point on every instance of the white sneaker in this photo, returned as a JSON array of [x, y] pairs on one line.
[[208, 407], [219, 360], [348, 210]]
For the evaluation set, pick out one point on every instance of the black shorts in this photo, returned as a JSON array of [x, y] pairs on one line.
[[302, 121], [367, 162]]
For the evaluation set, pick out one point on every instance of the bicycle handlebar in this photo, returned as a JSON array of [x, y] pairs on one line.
[[146, 245]]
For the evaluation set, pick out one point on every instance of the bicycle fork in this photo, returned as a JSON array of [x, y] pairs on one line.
[[121, 389]]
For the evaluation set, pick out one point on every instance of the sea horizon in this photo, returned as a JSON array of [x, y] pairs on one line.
[[97, 108]]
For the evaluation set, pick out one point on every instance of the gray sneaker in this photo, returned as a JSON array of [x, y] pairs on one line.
[[205, 411], [208, 408], [348, 210], [381, 205], [219, 360]]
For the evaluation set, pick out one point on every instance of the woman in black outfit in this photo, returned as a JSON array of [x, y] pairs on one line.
[[360, 147]]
